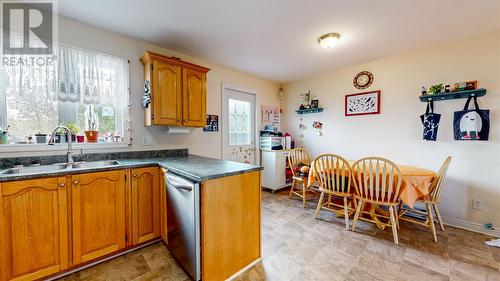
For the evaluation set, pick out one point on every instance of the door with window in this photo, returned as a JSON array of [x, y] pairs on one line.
[[238, 125]]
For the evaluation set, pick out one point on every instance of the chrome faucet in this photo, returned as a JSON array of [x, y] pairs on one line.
[[70, 148]]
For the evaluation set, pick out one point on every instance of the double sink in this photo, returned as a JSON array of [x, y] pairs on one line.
[[36, 169]]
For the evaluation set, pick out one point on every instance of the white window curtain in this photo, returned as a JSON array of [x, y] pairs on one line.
[[36, 98]]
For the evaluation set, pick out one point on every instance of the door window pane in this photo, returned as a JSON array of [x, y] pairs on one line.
[[239, 122]]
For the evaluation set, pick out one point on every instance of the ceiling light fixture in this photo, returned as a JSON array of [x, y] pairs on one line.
[[328, 40]]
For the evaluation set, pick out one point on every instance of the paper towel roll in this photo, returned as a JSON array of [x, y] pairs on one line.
[[177, 130]]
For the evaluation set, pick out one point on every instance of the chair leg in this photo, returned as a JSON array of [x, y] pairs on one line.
[[392, 212], [356, 216], [304, 192], [320, 203], [438, 215], [291, 189], [346, 214], [431, 221]]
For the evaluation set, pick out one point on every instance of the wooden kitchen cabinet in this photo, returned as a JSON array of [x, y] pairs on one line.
[[167, 86], [177, 89], [230, 235], [145, 204], [98, 214], [33, 228], [194, 96]]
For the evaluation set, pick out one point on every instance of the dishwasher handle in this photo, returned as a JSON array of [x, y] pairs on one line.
[[177, 185]]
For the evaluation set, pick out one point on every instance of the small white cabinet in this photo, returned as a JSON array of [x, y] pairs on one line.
[[275, 165]]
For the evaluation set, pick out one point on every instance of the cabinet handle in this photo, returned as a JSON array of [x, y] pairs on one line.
[[76, 182], [134, 175], [62, 184]]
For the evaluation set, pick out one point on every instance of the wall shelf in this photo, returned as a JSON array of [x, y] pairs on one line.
[[453, 95], [309, 110]]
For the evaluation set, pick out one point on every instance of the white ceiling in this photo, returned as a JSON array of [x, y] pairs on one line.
[[276, 39]]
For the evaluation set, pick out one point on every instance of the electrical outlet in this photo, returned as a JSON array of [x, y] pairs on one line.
[[146, 140], [477, 204]]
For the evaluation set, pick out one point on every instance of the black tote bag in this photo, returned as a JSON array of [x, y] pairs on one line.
[[473, 124], [430, 120]]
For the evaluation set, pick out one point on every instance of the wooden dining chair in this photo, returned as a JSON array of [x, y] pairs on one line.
[[431, 202], [297, 157], [334, 176], [377, 181]]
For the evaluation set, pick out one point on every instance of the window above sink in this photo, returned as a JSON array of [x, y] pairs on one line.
[[79, 83]]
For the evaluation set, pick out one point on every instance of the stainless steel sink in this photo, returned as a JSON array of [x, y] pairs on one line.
[[94, 164], [24, 170], [34, 169]]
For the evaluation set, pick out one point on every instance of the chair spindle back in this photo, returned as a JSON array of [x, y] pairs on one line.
[[377, 179], [438, 181], [334, 173], [297, 156]]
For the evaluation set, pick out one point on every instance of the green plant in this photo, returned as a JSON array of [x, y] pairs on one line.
[[73, 128], [91, 119], [436, 89], [4, 132]]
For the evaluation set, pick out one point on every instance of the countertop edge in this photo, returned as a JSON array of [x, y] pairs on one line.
[[125, 165]]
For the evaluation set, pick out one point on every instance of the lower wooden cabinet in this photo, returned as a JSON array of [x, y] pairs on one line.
[[145, 204], [98, 214], [49, 225], [33, 228]]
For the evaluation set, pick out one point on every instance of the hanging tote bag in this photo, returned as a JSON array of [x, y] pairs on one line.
[[430, 120], [473, 124]]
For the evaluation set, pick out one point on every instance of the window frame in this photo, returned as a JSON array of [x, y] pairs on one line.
[[35, 147]]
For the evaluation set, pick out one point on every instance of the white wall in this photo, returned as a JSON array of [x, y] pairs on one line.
[[199, 142], [397, 132]]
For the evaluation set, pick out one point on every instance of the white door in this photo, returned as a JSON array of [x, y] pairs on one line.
[[238, 125]]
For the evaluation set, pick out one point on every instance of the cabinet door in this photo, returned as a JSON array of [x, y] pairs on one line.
[[145, 205], [163, 206], [167, 94], [33, 228], [194, 98], [98, 205]]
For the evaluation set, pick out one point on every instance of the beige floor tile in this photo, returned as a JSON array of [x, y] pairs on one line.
[[412, 272], [433, 262]]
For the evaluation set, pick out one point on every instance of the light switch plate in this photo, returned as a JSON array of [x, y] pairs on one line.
[[146, 140]]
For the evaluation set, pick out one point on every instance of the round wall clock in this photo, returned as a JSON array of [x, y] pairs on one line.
[[363, 80]]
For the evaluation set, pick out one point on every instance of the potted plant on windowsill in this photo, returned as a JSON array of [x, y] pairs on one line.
[[91, 124], [4, 135], [41, 138], [74, 130]]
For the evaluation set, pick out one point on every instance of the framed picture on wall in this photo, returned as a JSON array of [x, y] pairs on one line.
[[362, 103], [212, 123]]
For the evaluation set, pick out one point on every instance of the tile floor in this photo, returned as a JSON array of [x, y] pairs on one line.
[[298, 247]]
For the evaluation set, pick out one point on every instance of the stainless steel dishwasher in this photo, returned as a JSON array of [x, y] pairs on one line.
[[183, 220]]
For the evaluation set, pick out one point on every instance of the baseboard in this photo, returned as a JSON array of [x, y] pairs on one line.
[[87, 265], [234, 276], [472, 226]]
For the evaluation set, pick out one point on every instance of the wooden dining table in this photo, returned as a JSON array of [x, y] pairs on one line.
[[415, 183]]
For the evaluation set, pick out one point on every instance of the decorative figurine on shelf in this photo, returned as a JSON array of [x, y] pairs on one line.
[[424, 91], [314, 103], [447, 88], [302, 107]]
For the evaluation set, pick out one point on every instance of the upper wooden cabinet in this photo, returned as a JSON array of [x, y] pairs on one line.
[[98, 206], [178, 91], [33, 228], [145, 205]]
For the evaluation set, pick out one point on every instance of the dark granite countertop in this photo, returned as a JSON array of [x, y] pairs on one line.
[[192, 167]]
